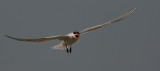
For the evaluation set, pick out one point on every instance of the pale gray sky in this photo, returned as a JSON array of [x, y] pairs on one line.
[[129, 45]]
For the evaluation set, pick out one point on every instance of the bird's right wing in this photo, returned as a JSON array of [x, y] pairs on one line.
[[38, 40], [112, 21]]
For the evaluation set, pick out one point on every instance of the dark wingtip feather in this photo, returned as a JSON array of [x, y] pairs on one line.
[[7, 36], [10, 37]]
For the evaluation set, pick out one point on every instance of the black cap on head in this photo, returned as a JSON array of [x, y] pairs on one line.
[[75, 32]]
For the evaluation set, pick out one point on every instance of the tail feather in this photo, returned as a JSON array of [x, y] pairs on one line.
[[59, 46]]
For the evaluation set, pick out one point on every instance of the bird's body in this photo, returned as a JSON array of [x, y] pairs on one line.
[[68, 40]]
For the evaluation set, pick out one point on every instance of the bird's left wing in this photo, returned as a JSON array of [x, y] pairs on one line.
[[112, 21], [38, 40]]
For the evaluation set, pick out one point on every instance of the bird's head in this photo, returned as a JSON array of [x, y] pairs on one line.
[[76, 34]]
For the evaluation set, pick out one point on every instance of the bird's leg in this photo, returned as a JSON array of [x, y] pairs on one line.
[[70, 49], [67, 49]]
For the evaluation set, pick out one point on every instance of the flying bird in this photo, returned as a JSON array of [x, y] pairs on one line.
[[68, 40]]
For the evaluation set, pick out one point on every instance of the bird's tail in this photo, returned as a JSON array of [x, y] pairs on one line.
[[59, 46]]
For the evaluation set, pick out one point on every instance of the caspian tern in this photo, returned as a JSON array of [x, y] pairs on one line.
[[68, 40]]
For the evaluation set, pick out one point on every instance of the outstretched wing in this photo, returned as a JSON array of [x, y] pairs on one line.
[[112, 21], [40, 39]]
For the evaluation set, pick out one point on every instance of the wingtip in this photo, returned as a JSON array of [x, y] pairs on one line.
[[132, 11], [135, 8], [6, 35], [10, 37]]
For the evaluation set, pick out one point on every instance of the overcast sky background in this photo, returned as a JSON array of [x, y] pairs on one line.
[[132, 44]]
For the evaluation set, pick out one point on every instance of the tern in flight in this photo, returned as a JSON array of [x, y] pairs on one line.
[[68, 40]]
